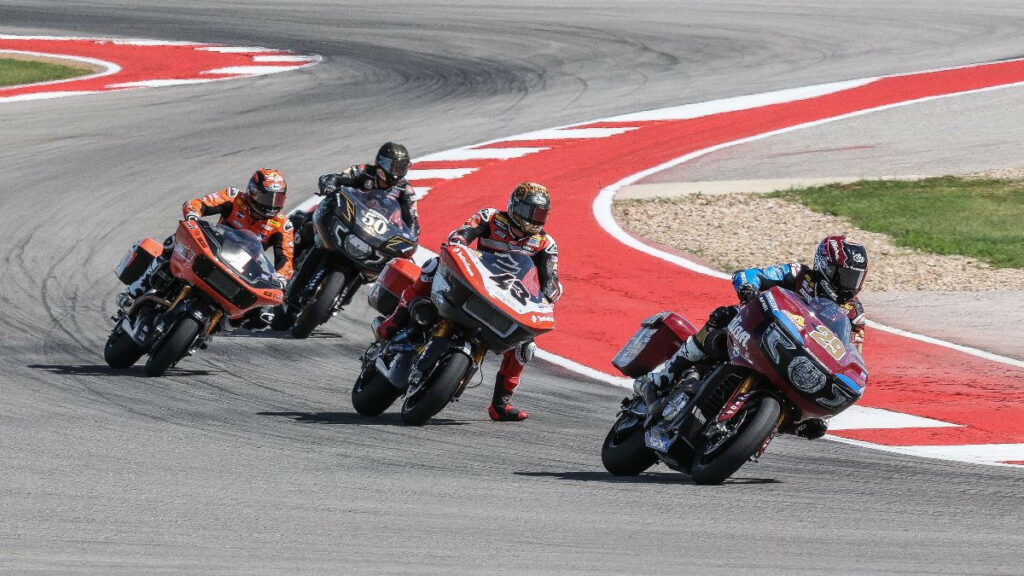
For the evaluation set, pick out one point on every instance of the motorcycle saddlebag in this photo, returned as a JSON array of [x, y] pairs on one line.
[[397, 275], [655, 342], [138, 259]]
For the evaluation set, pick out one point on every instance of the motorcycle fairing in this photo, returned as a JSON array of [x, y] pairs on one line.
[[508, 280], [802, 348], [197, 259]]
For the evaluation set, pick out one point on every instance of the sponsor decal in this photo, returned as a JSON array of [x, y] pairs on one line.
[[534, 318], [740, 337], [465, 262], [184, 252], [795, 319]]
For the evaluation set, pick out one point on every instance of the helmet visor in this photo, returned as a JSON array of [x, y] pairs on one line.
[[847, 281], [530, 213], [394, 170], [267, 203]]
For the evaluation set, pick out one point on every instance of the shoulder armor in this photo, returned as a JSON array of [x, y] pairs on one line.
[[232, 191]]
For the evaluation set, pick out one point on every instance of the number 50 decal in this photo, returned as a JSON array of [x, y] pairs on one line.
[[375, 223]]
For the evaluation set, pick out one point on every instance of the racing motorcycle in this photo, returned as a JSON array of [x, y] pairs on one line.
[[788, 361], [215, 273], [479, 302], [355, 234]]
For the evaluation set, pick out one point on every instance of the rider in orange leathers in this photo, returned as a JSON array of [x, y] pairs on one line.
[[518, 228], [256, 209]]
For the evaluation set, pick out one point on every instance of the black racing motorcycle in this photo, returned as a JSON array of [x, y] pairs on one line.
[[356, 233]]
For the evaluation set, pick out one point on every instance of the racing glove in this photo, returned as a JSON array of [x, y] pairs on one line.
[[326, 185], [747, 293]]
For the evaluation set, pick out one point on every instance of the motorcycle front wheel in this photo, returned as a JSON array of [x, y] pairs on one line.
[[716, 460], [372, 394], [624, 452], [318, 309], [120, 350], [423, 402], [168, 352]]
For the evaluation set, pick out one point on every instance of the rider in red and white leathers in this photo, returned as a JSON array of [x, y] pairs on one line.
[[520, 228]]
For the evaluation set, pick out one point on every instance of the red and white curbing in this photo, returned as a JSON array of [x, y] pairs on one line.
[[138, 63]]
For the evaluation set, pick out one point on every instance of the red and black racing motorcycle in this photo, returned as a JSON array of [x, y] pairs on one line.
[[480, 301], [787, 361]]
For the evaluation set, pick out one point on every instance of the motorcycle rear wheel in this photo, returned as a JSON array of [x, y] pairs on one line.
[[318, 309], [372, 394], [726, 460], [168, 352], [433, 396], [624, 452], [120, 350]]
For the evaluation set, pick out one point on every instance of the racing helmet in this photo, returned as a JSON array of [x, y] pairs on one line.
[[392, 163], [841, 265], [266, 193], [528, 207]]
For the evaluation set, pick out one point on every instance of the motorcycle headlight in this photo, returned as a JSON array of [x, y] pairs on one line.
[[805, 375], [356, 247]]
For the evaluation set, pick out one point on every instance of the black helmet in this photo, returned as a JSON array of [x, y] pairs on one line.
[[392, 163], [841, 265], [528, 207], [266, 193]]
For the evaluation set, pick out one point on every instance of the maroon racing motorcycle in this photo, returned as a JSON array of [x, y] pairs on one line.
[[787, 361]]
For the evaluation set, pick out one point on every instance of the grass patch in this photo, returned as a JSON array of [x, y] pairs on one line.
[[15, 72], [983, 219]]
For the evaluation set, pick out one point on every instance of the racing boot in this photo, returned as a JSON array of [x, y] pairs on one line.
[[505, 383], [501, 409]]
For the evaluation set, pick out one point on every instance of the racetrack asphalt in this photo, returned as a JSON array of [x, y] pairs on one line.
[[249, 458]]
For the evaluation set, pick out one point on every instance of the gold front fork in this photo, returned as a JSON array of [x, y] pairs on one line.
[[181, 296], [213, 323]]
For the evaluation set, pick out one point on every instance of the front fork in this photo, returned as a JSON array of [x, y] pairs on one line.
[[743, 393], [440, 344]]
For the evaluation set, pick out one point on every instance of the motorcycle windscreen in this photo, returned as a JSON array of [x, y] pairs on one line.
[[378, 220], [515, 272], [836, 320], [243, 252]]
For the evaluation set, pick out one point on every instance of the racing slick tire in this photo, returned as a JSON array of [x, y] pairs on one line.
[[168, 352], [120, 350], [725, 460], [372, 394], [423, 402], [318, 309], [624, 452]]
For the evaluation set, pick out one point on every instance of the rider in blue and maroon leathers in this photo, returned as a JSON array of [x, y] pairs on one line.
[[838, 272], [519, 228]]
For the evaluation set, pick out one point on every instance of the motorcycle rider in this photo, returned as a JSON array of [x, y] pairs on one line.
[[519, 228], [840, 266], [387, 173], [257, 209]]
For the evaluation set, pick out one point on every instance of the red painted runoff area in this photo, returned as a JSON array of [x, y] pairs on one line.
[[611, 287]]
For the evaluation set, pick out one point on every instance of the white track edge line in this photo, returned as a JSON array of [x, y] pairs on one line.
[[108, 67]]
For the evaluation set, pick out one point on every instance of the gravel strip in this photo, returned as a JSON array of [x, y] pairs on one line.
[[742, 230]]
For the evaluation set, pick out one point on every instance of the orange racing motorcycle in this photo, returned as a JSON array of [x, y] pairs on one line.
[[479, 301], [215, 273]]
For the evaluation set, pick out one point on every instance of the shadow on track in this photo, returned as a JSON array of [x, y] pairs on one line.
[[645, 478], [104, 370], [354, 419], [278, 335]]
